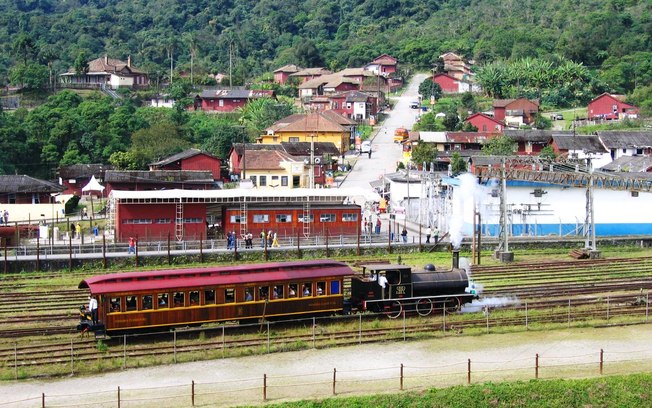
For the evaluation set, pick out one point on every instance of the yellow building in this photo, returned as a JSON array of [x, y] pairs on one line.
[[271, 169], [315, 127]]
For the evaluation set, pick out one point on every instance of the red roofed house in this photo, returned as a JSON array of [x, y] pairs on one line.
[[485, 123], [307, 74], [515, 112], [282, 74], [105, 71], [228, 100], [354, 104], [191, 159], [383, 65], [611, 107], [455, 66]]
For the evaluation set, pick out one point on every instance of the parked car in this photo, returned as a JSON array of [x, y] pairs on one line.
[[365, 147], [557, 116], [415, 105]]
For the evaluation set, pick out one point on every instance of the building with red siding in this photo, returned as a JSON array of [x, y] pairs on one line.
[[515, 112], [354, 104], [282, 74], [191, 159], [485, 123], [75, 176], [611, 107], [228, 100], [189, 214], [384, 65], [20, 189]]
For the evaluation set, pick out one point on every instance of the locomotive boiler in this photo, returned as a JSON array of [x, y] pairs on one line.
[[395, 289]]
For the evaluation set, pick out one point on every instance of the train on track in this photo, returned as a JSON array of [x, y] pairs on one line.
[[187, 297]]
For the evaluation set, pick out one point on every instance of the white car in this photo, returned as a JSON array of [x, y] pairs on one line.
[[365, 147]]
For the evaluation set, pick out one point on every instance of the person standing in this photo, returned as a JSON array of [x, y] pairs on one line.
[[378, 225], [275, 241], [92, 307], [404, 235], [436, 235], [428, 234], [78, 229], [229, 241], [132, 246], [5, 215], [262, 239]]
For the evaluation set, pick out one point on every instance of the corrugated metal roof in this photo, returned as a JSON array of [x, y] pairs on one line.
[[158, 176], [624, 139], [180, 156], [228, 275], [84, 170], [588, 144], [631, 164], [26, 184]]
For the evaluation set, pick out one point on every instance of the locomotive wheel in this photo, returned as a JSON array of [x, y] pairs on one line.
[[394, 310], [424, 307], [452, 305]]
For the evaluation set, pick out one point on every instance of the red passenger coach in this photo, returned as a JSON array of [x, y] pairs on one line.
[[157, 299]]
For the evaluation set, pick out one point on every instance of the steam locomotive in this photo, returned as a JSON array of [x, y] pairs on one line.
[[167, 298]]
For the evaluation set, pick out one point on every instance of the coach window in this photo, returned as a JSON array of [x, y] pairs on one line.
[[292, 290], [321, 288], [194, 297], [306, 289], [179, 299], [147, 302], [209, 297], [335, 287], [249, 295], [163, 300], [132, 303], [277, 292], [229, 295], [115, 304], [263, 293]]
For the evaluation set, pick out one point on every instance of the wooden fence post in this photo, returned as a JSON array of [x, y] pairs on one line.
[[536, 367], [192, 400], [601, 360], [468, 371], [264, 387], [401, 376], [334, 379]]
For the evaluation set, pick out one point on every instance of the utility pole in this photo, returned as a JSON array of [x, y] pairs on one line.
[[504, 255], [589, 222]]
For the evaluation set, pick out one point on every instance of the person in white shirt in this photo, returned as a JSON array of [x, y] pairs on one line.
[[92, 307]]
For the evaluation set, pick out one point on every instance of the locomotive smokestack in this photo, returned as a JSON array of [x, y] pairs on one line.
[[456, 259]]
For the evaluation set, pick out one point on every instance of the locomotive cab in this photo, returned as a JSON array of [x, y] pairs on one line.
[[379, 283]]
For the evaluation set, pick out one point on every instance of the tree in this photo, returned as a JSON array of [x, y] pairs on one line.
[[154, 143], [458, 164], [541, 122], [307, 54], [468, 102], [548, 153], [260, 113], [23, 47], [81, 63], [451, 120], [424, 153], [31, 76], [500, 146], [430, 88]]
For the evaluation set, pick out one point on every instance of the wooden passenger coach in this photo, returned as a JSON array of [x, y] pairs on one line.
[[140, 300]]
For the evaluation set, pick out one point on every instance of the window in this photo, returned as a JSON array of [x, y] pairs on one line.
[[284, 181], [11, 198], [263, 181], [321, 288], [348, 217], [194, 297], [302, 219], [36, 199], [209, 297], [254, 180], [263, 293], [277, 292], [293, 140], [115, 304], [137, 221], [335, 287], [163, 300], [484, 128], [192, 220], [220, 102], [132, 303], [229, 295], [280, 218], [249, 295], [327, 218], [275, 178], [306, 289], [147, 302], [179, 299], [261, 218], [163, 221], [292, 290], [235, 219]]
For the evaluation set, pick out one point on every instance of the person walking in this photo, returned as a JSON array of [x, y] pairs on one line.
[[263, 240], [404, 235], [275, 241], [78, 229], [428, 234], [435, 233]]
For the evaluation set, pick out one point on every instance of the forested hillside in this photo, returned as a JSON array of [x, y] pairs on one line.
[[612, 36], [561, 51]]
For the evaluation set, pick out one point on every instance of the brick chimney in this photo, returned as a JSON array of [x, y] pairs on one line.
[[129, 61]]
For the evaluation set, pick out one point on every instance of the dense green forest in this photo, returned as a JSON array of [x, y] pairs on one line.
[[561, 51]]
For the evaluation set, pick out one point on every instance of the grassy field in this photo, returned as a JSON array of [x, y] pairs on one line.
[[616, 391]]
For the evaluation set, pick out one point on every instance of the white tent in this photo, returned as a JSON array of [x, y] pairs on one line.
[[93, 185]]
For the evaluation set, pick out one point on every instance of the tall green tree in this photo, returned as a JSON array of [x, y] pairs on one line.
[[424, 153], [500, 146]]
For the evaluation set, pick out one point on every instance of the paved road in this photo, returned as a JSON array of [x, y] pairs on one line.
[[385, 154]]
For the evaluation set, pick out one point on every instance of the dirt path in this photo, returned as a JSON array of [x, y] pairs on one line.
[[360, 370]]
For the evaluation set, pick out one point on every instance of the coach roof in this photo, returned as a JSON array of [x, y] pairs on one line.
[[199, 277]]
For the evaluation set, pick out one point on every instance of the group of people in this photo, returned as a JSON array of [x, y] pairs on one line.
[[76, 230], [369, 226], [269, 239], [231, 240], [89, 312]]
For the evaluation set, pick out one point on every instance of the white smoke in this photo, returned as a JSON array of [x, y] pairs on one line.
[[465, 197], [479, 304]]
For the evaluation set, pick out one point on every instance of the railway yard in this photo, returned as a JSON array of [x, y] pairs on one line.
[[39, 312]]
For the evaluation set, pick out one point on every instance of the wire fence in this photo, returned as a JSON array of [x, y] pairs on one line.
[[283, 386]]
